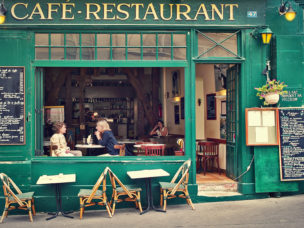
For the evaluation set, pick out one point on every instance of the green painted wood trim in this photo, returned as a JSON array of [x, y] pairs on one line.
[[116, 63], [267, 171]]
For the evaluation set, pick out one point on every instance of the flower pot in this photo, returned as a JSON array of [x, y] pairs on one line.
[[272, 98]]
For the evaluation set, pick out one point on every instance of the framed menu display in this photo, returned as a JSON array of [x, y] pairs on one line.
[[262, 126]]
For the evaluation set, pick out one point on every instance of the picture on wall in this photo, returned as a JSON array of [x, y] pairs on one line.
[[211, 106], [175, 83], [220, 75]]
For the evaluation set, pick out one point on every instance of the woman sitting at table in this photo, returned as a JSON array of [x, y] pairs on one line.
[[159, 129], [106, 138], [58, 140]]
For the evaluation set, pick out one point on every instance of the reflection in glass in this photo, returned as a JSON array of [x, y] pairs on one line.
[[119, 53], [103, 40], [164, 40], [179, 40], [179, 53], [87, 40], [134, 53], [72, 53], [103, 53], [57, 53], [204, 44], [41, 39], [119, 40], [149, 53], [88, 53], [72, 40], [57, 39], [134, 40], [42, 53], [164, 53], [149, 39]]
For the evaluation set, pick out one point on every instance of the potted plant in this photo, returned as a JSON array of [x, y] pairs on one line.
[[271, 91]]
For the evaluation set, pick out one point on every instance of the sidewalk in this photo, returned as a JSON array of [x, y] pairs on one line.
[[270, 212]]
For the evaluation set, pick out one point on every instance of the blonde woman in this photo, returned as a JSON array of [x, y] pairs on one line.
[[58, 140], [105, 137]]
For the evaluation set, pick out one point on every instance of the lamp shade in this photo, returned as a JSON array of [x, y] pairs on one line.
[[2, 13], [266, 35], [290, 15]]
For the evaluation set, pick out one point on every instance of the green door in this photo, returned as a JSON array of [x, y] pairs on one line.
[[232, 121]]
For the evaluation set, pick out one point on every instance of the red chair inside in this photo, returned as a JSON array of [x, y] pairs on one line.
[[154, 150], [208, 151]]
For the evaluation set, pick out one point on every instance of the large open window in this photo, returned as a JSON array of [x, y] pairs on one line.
[[132, 100]]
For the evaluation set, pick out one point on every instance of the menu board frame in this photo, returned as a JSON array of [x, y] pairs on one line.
[[280, 150], [24, 131], [256, 127]]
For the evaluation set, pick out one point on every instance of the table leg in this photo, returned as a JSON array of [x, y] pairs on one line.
[[150, 197], [58, 205]]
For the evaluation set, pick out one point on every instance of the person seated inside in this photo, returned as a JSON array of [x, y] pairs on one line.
[[159, 129], [58, 140], [106, 138]]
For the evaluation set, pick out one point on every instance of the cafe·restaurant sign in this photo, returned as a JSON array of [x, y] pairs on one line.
[[178, 12]]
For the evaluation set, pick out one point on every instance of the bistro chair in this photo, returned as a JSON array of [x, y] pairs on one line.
[[127, 192], [140, 149], [208, 151], [15, 198], [122, 149], [52, 150], [91, 197], [154, 150], [168, 190]]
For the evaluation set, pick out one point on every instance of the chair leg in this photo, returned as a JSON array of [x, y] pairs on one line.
[[189, 201], [161, 197], [115, 198], [5, 212], [218, 166], [29, 208], [165, 199], [81, 208], [139, 202], [108, 209], [33, 207], [205, 166]]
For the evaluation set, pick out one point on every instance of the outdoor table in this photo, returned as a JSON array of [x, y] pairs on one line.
[[57, 180], [148, 174]]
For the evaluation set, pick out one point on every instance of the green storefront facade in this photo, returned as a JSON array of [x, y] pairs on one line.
[[26, 19]]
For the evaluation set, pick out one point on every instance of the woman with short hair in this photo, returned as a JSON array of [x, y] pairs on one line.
[[58, 140]]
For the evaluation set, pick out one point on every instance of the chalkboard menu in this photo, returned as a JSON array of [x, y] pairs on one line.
[[292, 143], [12, 106]]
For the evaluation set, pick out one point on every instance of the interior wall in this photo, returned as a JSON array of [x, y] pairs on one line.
[[199, 109], [205, 84], [168, 103]]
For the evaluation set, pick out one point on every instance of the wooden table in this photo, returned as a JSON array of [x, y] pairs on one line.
[[148, 174], [88, 146], [57, 180]]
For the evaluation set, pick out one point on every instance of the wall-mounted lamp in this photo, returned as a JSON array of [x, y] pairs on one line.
[[199, 101], [2, 12], [265, 34], [287, 10]]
